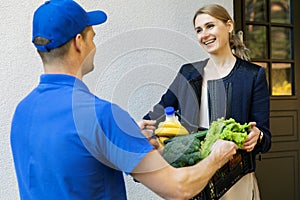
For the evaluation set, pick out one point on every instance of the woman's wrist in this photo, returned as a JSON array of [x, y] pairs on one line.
[[260, 138]]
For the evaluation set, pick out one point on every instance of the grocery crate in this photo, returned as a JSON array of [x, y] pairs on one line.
[[227, 176]]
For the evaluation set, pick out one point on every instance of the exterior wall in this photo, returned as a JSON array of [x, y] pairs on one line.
[[139, 51]]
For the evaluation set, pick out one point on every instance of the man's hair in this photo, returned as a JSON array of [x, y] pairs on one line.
[[58, 52]]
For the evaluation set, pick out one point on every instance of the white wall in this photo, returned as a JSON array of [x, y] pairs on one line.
[[140, 49]]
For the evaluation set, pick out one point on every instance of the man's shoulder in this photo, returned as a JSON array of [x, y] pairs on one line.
[[107, 107]]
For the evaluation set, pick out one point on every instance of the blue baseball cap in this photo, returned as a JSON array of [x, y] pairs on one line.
[[61, 20]]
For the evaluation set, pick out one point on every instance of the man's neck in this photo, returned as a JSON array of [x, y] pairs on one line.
[[63, 68]]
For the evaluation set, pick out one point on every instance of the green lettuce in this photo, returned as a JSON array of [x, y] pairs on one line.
[[227, 130]]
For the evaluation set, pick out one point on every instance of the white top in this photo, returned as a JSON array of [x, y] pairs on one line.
[[211, 72], [204, 116]]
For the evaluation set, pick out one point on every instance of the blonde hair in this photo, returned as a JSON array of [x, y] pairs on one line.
[[236, 44]]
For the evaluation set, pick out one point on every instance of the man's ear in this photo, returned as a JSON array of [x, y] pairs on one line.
[[78, 42]]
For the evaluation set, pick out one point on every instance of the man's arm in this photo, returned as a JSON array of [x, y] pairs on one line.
[[181, 183]]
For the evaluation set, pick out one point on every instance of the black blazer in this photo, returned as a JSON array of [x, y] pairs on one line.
[[242, 95]]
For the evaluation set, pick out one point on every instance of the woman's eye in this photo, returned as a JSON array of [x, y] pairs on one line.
[[198, 30], [210, 26]]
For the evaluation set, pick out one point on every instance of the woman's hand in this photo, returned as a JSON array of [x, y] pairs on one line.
[[252, 139]]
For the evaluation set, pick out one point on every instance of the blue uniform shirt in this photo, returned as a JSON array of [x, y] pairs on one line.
[[69, 144]]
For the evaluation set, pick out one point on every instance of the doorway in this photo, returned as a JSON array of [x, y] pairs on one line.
[[271, 30]]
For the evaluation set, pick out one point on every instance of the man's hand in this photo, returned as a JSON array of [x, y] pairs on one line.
[[223, 151], [147, 127]]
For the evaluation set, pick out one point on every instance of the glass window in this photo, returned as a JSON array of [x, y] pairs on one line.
[[281, 43], [255, 10], [268, 33], [281, 79], [256, 41], [280, 11]]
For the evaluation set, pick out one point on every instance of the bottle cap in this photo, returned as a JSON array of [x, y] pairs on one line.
[[169, 110]]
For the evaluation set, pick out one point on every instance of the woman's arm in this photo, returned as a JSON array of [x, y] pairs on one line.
[[260, 112], [167, 99]]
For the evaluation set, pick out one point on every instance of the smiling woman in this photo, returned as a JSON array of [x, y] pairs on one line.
[[223, 85], [220, 22]]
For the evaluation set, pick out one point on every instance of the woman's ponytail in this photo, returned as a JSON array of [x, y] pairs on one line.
[[238, 47]]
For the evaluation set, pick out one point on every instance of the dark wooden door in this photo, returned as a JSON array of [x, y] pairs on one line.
[[271, 30]]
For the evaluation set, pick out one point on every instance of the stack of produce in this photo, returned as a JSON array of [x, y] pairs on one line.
[[188, 150]]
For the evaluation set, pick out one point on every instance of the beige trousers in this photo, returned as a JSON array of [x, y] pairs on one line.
[[245, 189]]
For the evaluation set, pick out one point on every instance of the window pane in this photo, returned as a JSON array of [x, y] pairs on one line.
[[255, 10], [281, 43], [281, 79], [256, 41], [280, 11]]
